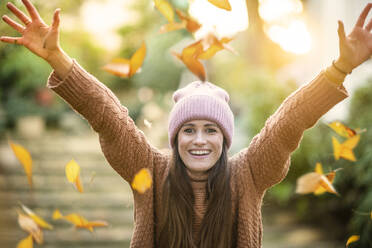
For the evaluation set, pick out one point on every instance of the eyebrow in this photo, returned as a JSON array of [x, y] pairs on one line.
[[206, 125]]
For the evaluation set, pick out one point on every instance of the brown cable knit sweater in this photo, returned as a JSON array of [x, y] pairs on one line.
[[254, 169]]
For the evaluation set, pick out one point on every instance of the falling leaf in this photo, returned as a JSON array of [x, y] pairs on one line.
[[211, 45], [352, 239], [342, 130], [316, 182], [189, 57], [166, 9], [30, 226], [24, 158], [26, 242], [172, 27], [127, 67], [142, 181], [191, 24], [72, 170], [345, 150], [137, 59], [42, 223], [222, 4], [147, 123], [79, 221]]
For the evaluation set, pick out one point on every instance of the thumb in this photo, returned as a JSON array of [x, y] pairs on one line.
[[341, 32], [56, 20]]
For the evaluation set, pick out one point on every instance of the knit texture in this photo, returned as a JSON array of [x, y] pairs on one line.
[[264, 163]]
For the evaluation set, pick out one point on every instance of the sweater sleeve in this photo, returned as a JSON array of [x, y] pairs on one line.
[[266, 160], [123, 144]]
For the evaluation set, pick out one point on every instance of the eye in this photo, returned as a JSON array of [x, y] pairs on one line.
[[211, 130], [187, 130]]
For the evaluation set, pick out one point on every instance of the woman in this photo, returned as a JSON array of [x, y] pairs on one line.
[[199, 197]]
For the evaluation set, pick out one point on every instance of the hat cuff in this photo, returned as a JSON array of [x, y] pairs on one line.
[[201, 107]]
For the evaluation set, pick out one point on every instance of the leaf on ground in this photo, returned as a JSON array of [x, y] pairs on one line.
[[352, 239], [142, 181], [26, 242], [30, 226], [24, 158], [345, 150], [222, 4], [72, 170]]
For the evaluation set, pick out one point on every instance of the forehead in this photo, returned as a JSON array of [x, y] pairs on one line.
[[200, 123]]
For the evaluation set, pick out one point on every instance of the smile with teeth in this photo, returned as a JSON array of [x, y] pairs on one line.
[[199, 152]]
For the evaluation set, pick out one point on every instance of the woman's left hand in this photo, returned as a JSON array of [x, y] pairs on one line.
[[357, 46]]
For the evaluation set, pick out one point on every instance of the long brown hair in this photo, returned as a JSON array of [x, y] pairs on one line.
[[178, 200]]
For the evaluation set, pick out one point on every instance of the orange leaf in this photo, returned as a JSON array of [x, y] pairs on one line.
[[30, 226], [345, 150], [342, 130], [189, 58], [211, 45], [142, 181], [166, 9], [352, 239], [79, 221], [137, 59], [222, 4], [191, 25], [24, 158], [173, 26], [42, 223], [72, 170], [26, 242], [119, 67]]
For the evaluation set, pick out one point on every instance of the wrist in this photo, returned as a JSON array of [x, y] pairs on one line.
[[60, 62], [343, 66]]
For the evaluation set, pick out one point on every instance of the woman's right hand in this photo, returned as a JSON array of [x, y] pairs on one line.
[[38, 37]]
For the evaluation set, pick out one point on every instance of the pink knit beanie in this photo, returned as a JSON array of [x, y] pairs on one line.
[[201, 101]]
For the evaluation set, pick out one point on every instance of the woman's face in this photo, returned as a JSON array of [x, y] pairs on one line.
[[200, 145]]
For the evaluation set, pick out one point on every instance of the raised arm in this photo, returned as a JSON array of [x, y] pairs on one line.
[[123, 144], [267, 159]]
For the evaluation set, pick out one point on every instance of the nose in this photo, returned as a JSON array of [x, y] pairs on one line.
[[200, 139]]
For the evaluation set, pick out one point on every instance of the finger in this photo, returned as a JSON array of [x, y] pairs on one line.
[[341, 32], [369, 25], [363, 15], [13, 24], [56, 20], [11, 40], [21, 16], [31, 10]]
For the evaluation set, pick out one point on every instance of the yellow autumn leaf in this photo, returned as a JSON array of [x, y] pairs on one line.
[[191, 24], [352, 239], [72, 171], [142, 181], [173, 26], [137, 59], [165, 9], [345, 150], [26, 242], [42, 223], [24, 158], [222, 4], [189, 57], [342, 129], [30, 226], [316, 182], [370, 215], [79, 221]]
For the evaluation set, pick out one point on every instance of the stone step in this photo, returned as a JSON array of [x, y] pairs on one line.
[[43, 183]]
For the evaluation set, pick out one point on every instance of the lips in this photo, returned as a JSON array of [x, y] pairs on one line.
[[199, 153]]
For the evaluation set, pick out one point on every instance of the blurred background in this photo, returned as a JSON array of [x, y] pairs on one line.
[[279, 44]]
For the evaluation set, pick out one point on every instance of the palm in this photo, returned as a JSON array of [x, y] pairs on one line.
[[357, 46], [38, 37]]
